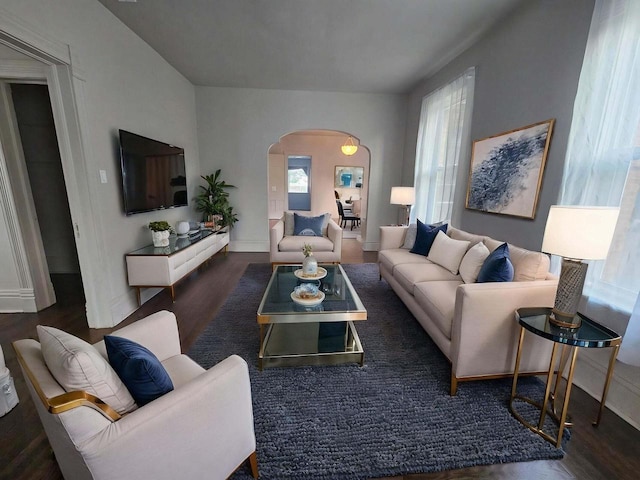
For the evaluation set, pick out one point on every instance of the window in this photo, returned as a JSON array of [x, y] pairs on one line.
[[442, 134], [298, 180], [602, 165]]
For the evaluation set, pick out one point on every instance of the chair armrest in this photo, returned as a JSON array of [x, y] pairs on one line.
[[392, 236], [484, 331], [276, 234], [157, 332], [334, 232], [202, 429]]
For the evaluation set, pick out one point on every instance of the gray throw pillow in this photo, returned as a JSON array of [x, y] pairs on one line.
[[410, 237]]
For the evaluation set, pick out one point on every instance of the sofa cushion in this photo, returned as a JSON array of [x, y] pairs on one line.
[[408, 274], [447, 252], [458, 234], [528, 265], [497, 267], [472, 262], [77, 365], [425, 236], [138, 368], [438, 300], [412, 230], [307, 226], [294, 243], [392, 257]]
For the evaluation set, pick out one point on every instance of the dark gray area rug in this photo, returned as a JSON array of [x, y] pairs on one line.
[[393, 416]]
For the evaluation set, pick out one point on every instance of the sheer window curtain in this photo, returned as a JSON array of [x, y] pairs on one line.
[[602, 165], [444, 128]]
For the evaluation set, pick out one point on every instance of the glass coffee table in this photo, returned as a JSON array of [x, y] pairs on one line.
[[292, 334]]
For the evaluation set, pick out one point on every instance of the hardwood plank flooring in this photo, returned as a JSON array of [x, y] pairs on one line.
[[610, 451]]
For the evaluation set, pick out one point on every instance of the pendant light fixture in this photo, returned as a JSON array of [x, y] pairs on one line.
[[349, 148]]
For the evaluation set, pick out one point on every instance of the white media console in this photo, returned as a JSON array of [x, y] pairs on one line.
[[163, 267]]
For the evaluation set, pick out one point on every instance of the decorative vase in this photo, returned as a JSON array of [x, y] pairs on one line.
[[182, 228], [161, 238], [310, 265]]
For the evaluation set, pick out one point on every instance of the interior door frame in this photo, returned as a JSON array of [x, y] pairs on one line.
[[65, 81]]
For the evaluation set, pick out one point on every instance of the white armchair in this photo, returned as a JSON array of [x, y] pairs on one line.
[[288, 248], [201, 429]]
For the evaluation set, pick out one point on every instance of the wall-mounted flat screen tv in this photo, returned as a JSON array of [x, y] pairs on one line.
[[153, 174]]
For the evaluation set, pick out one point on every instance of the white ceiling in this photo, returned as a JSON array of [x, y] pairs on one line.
[[381, 46]]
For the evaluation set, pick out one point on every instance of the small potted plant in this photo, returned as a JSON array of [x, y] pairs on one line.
[[309, 264], [160, 232]]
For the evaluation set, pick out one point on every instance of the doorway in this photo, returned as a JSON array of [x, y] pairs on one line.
[[37, 137], [326, 185], [299, 182]]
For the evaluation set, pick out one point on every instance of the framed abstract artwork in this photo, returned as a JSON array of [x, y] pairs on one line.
[[506, 170]]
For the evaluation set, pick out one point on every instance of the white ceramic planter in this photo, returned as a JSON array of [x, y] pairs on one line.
[[161, 239]]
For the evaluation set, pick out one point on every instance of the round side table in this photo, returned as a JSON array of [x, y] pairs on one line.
[[590, 334]]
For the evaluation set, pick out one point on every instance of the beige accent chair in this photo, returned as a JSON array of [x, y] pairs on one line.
[[201, 429], [286, 248]]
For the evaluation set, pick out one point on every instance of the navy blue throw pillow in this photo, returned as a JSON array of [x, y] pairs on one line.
[[497, 267], [425, 236], [309, 226], [138, 368]]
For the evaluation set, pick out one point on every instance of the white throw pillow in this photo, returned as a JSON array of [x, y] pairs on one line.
[[447, 252], [472, 262], [77, 365]]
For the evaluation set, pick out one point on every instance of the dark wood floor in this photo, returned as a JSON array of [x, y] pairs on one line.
[[611, 451]]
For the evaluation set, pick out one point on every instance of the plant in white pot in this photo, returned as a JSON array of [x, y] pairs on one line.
[[160, 232], [309, 264]]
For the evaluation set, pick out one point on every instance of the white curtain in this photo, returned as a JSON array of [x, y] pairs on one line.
[[602, 165], [444, 129]]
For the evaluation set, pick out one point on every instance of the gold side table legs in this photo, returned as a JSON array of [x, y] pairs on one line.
[[605, 391], [551, 397]]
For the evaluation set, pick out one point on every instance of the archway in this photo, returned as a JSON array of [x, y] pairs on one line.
[[327, 161]]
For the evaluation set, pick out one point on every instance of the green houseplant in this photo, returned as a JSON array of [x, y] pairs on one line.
[[213, 200]]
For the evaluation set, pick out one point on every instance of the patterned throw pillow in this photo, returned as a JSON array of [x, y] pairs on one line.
[[308, 226]]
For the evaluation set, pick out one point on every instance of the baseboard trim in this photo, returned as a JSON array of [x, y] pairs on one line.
[[624, 394], [20, 300], [248, 246]]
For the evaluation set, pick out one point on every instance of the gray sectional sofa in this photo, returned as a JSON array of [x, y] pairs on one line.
[[473, 324]]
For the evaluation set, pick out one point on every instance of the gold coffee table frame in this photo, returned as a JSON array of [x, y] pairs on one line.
[[285, 325], [590, 334]]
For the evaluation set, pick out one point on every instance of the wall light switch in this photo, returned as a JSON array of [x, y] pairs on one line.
[[273, 188], [103, 176]]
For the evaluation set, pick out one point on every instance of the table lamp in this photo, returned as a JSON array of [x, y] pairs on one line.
[[576, 233], [405, 196]]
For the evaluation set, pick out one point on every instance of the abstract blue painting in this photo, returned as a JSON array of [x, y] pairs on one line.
[[506, 170]]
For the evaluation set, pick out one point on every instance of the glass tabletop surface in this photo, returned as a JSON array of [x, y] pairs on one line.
[[341, 302], [590, 334], [176, 243]]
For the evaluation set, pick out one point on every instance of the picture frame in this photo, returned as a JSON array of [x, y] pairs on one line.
[[506, 170], [348, 176]]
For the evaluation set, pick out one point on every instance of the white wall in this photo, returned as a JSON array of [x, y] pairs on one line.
[[127, 85], [236, 127]]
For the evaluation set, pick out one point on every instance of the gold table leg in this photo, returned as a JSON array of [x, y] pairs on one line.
[[612, 362]]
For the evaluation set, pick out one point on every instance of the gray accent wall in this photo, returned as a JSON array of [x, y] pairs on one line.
[[527, 71]]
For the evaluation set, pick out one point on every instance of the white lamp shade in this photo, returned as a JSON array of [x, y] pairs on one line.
[[583, 233], [403, 196]]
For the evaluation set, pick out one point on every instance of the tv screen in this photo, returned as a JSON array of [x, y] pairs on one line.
[[153, 174]]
